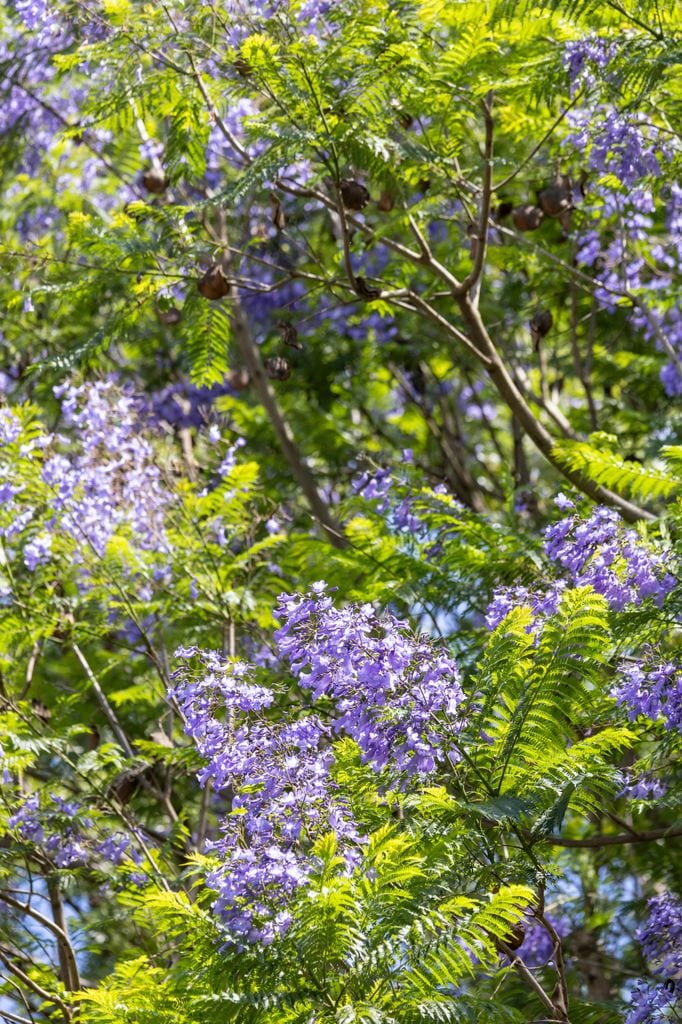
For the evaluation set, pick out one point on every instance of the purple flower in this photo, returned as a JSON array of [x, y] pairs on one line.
[[37, 551], [395, 694], [651, 688], [600, 552]]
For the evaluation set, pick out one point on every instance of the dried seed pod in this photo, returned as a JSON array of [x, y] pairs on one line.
[[278, 216], [385, 202], [239, 380], [527, 217], [557, 197], [213, 285], [354, 195], [169, 316], [599, 264], [41, 711], [365, 290], [289, 335], [405, 120], [516, 936], [126, 785], [154, 180], [278, 368], [503, 210], [242, 67], [540, 325]]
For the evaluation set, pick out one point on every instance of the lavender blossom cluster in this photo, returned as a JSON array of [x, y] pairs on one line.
[[105, 482], [599, 552], [283, 795], [651, 688], [661, 942], [395, 694], [65, 833]]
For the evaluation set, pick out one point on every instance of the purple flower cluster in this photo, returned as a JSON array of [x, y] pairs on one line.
[[541, 602], [284, 798], [642, 787], [661, 942], [600, 552], [652, 689], [106, 481], [395, 694], [375, 487], [56, 828], [649, 1002], [585, 58], [615, 143], [661, 937], [66, 834]]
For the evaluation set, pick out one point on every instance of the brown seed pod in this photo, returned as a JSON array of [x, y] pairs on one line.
[[354, 195], [169, 317], [278, 368], [242, 67], [154, 180], [503, 210], [527, 218], [40, 710], [126, 785], [289, 335], [385, 202], [365, 290], [540, 325], [278, 216], [238, 379], [213, 285], [516, 936], [556, 198]]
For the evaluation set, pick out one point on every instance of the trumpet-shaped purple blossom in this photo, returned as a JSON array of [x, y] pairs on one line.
[[600, 552], [661, 942], [652, 689], [395, 694], [283, 796], [106, 481]]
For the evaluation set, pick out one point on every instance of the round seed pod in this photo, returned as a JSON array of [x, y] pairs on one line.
[[365, 290], [527, 218], [154, 180], [503, 210], [168, 316], [542, 322], [289, 335], [540, 325], [385, 202], [556, 198], [278, 368], [242, 66], [354, 195], [238, 379], [213, 285], [516, 936]]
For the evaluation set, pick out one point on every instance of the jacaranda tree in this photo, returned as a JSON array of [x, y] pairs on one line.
[[340, 522]]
